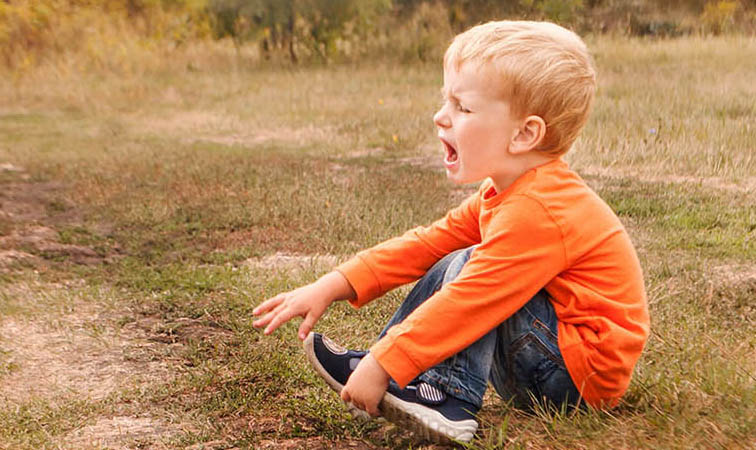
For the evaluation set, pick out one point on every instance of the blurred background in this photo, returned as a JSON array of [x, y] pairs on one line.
[[166, 165], [110, 32]]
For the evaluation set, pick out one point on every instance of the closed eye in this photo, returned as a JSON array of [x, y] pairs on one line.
[[446, 98]]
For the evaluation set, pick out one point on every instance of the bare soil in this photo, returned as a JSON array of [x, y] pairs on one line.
[[31, 215], [292, 262], [225, 129], [121, 433]]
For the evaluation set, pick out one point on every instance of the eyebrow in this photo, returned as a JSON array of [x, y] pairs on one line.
[[445, 93]]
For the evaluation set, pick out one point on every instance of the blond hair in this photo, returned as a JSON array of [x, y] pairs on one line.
[[543, 69]]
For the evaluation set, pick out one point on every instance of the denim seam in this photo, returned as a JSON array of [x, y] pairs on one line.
[[538, 323], [532, 337]]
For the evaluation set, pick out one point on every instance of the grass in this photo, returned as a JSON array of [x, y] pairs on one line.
[[175, 175]]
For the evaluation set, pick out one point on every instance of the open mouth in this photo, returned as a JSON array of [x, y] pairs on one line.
[[451, 153]]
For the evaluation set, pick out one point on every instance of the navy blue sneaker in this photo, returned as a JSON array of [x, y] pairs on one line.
[[335, 364], [420, 407], [430, 412]]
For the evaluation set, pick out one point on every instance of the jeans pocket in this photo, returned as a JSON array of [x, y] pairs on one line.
[[529, 350], [537, 370], [546, 331]]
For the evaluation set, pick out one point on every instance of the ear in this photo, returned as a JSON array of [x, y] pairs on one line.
[[529, 135]]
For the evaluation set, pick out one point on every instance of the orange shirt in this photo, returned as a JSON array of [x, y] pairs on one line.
[[548, 229]]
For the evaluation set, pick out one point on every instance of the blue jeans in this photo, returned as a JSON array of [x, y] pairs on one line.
[[520, 357]]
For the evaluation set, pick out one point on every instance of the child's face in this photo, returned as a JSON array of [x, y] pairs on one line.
[[476, 128]]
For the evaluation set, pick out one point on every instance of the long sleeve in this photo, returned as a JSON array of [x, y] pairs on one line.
[[406, 258]]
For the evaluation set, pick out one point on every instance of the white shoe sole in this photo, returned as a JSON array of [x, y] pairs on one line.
[[427, 423]]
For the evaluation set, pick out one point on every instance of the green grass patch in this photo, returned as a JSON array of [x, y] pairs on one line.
[[710, 222]]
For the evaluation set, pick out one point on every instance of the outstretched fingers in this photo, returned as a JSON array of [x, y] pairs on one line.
[[280, 317], [305, 302], [268, 304], [265, 320], [272, 307]]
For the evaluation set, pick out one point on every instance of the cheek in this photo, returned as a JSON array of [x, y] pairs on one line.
[[470, 132], [479, 138]]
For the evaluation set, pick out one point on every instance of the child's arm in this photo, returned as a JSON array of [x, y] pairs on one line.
[[308, 302]]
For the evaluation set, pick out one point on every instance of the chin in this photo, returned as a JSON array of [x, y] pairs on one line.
[[456, 179]]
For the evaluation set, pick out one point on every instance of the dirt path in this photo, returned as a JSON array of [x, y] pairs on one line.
[[82, 355]]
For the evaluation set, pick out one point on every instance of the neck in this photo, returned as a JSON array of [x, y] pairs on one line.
[[520, 165]]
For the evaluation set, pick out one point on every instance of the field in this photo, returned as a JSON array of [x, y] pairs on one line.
[[146, 209]]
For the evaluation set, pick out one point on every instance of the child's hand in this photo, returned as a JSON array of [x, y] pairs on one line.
[[308, 302], [366, 386]]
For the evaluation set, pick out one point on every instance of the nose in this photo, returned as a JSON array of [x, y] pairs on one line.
[[441, 118]]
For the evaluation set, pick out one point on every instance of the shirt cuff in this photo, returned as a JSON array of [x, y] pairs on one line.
[[395, 361], [363, 281]]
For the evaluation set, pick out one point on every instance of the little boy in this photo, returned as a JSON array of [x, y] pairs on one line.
[[531, 284]]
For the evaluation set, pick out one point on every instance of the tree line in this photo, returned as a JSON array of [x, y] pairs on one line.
[[331, 30]]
